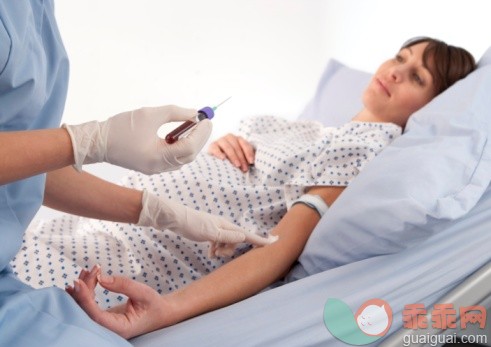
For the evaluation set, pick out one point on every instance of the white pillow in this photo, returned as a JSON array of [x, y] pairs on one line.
[[436, 171], [338, 95]]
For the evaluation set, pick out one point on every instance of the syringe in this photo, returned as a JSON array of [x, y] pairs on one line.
[[204, 113]]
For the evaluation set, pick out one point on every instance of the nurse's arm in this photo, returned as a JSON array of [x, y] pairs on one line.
[[86, 195], [27, 153]]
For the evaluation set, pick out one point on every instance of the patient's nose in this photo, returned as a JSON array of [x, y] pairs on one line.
[[396, 73]]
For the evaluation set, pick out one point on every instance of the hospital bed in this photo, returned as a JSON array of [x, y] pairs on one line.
[[474, 290], [414, 227]]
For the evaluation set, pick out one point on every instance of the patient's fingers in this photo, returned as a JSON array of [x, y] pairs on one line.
[[83, 274], [235, 153], [248, 150], [214, 150], [91, 278], [229, 146], [237, 150], [83, 296]]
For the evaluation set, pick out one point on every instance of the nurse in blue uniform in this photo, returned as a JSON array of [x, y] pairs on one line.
[[41, 162]]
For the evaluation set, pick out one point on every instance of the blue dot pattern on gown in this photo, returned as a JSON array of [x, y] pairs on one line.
[[289, 157]]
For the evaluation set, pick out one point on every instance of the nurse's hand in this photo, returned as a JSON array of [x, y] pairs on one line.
[[130, 140], [234, 148], [194, 225], [145, 310]]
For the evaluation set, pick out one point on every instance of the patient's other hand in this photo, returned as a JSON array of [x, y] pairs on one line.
[[144, 311], [234, 148]]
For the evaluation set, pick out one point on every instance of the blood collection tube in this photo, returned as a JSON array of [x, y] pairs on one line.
[[184, 128]]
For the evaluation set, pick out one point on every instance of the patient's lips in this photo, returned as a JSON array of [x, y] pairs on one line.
[[382, 86]]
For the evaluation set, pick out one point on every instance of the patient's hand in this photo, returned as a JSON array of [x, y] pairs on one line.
[[144, 311], [234, 148]]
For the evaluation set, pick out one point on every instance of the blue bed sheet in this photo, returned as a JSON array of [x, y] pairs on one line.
[[292, 314]]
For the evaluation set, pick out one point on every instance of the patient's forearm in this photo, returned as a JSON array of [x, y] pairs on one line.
[[83, 194], [250, 273]]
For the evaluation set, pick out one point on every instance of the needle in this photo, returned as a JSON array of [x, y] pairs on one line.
[[215, 107]]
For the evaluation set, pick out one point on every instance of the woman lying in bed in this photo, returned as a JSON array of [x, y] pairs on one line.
[[278, 163]]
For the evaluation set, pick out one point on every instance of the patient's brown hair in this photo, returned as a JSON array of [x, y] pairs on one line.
[[447, 63]]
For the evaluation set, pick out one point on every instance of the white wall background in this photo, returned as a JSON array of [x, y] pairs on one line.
[[125, 54], [266, 54]]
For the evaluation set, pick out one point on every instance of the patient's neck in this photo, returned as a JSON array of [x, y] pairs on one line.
[[366, 116]]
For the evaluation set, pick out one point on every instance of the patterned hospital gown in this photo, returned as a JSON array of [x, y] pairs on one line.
[[289, 157]]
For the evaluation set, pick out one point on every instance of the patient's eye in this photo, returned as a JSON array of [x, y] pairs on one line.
[[417, 78], [399, 58]]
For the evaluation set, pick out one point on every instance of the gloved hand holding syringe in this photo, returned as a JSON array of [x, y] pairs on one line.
[[130, 140]]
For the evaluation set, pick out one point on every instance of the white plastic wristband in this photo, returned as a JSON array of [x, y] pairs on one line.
[[314, 202]]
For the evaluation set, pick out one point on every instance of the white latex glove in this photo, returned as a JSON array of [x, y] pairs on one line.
[[220, 249], [130, 140], [193, 225]]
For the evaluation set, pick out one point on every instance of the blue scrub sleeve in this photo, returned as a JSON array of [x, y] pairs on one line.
[[33, 84]]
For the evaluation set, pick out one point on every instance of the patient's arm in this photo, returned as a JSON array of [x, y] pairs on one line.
[[235, 281], [255, 270]]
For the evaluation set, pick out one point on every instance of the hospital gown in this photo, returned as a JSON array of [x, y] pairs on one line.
[[290, 155]]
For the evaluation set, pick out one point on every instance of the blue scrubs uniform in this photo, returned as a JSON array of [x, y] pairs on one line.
[[33, 85]]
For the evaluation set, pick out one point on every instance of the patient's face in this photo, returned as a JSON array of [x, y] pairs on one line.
[[401, 86]]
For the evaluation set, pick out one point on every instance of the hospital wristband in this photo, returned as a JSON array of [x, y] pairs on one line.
[[315, 202]]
